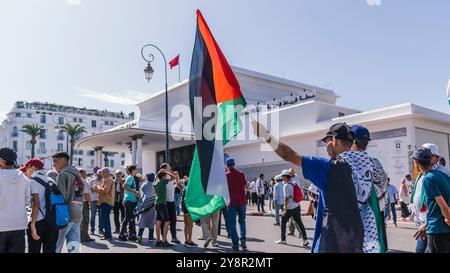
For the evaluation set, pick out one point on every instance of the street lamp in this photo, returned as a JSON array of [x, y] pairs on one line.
[[148, 75]]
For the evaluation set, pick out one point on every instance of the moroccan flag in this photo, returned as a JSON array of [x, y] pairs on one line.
[[212, 85], [174, 62]]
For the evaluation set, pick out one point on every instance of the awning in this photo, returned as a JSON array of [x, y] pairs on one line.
[[120, 140]]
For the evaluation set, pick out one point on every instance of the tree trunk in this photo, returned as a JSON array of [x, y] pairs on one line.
[[72, 144], [33, 146]]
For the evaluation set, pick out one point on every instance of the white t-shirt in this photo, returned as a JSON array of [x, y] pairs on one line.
[[253, 187], [170, 189], [94, 195], [260, 187], [36, 188], [288, 191]]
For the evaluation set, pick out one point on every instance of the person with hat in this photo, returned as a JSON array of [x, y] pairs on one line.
[[87, 204], [436, 185], [95, 208], [278, 199], [418, 197], [341, 231], [237, 205], [40, 236], [376, 201], [105, 202], [14, 199], [118, 209], [291, 209], [146, 208]]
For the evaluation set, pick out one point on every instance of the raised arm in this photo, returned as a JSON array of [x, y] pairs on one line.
[[280, 148]]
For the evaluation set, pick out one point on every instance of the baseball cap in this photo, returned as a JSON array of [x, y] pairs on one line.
[[278, 178], [361, 132], [9, 156], [98, 172], [433, 148], [340, 131], [285, 173], [34, 162], [95, 170], [422, 154], [230, 161]]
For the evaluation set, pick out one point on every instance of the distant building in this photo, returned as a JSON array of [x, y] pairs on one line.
[[52, 140], [305, 113]]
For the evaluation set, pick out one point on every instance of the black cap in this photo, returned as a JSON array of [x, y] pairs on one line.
[[9, 156], [340, 131], [422, 154]]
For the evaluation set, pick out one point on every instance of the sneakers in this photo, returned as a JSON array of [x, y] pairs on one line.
[[158, 244], [305, 243], [280, 242], [139, 239], [244, 246], [123, 238], [207, 241], [106, 238], [276, 224], [176, 241], [235, 248], [132, 238], [215, 244], [190, 244], [166, 244]]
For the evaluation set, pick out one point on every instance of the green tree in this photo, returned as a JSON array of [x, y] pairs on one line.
[[34, 130], [73, 132]]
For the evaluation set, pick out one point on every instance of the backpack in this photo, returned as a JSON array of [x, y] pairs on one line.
[[56, 210], [298, 193]]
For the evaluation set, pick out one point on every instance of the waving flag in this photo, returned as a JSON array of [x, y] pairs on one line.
[[212, 82], [448, 92], [174, 62]]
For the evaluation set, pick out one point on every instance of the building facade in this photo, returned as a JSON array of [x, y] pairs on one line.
[[52, 140], [298, 113]]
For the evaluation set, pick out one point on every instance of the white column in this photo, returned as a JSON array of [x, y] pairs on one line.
[[95, 157], [139, 154], [100, 158], [133, 151]]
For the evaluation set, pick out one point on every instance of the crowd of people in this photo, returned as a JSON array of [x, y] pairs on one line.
[[350, 199]]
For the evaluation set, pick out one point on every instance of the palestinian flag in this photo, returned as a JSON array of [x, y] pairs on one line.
[[212, 86]]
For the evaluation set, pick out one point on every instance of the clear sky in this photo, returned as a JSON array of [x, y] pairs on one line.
[[87, 52]]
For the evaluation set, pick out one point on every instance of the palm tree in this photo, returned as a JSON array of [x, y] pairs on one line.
[[34, 130], [73, 132]]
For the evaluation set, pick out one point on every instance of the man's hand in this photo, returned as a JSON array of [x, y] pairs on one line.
[[90, 204], [447, 221], [284, 212], [421, 232], [34, 233]]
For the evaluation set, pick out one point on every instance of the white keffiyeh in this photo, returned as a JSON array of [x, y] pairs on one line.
[[362, 174]]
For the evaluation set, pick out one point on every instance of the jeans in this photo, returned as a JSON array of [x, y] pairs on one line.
[[173, 219], [239, 211], [47, 240], [261, 203], [12, 241], [278, 207], [296, 215], [129, 219], [394, 214], [70, 234], [177, 202], [421, 245], [225, 217], [105, 219], [94, 210], [119, 214]]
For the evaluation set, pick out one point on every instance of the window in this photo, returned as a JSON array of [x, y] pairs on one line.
[[29, 115], [91, 153], [60, 147], [15, 146], [60, 120], [60, 135], [41, 149], [28, 145], [94, 124], [80, 162], [123, 163], [111, 163], [92, 163], [43, 119], [74, 119], [18, 115], [80, 152], [340, 114], [43, 134], [80, 120], [122, 155], [15, 132]]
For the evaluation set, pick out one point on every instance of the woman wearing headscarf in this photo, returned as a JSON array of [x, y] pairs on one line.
[[146, 207]]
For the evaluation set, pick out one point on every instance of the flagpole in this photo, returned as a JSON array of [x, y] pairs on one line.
[[179, 69]]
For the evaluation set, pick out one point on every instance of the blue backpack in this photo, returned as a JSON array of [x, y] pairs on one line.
[[56, 210]]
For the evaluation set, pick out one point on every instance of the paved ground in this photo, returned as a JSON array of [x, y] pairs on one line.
[[261, 237]]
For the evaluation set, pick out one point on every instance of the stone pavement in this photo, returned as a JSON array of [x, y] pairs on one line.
[[261, 234]]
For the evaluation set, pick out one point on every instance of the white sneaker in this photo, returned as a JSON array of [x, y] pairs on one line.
[[215, 244], [207, 241], [280, 242], [305, 243]]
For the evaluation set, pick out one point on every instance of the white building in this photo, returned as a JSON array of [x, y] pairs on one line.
[[51, 140], [304, 112]]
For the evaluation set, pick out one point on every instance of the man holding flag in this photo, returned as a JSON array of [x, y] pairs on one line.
[[213, 87]]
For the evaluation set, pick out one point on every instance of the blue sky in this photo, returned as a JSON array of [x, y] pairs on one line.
[[87, 52]]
